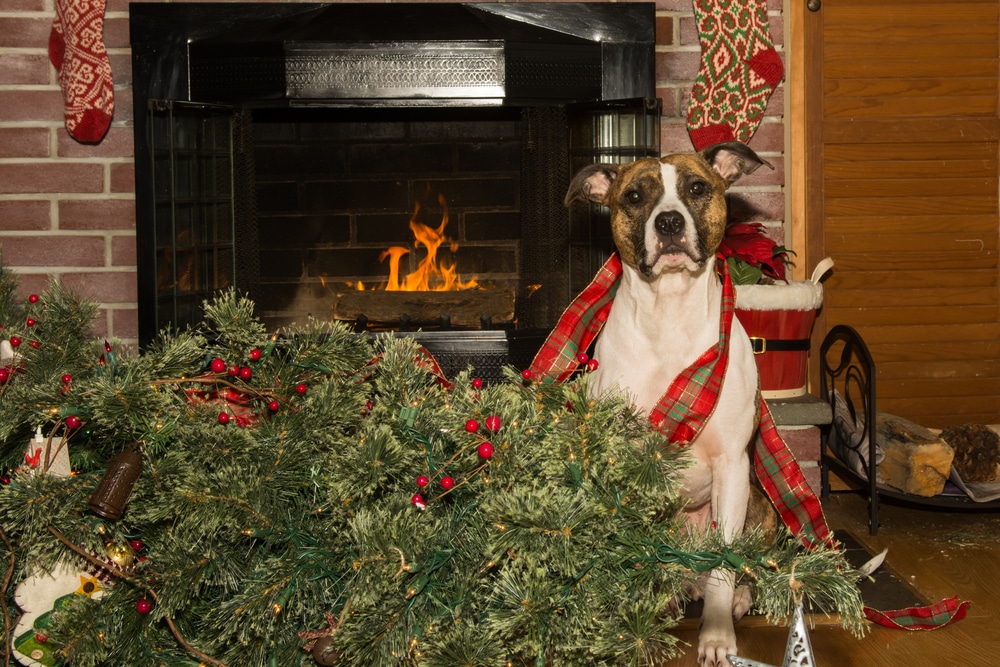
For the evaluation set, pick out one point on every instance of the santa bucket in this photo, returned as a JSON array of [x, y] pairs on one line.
[[779, 320]]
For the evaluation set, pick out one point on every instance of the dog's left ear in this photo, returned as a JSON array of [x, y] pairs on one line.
[[733, 159]]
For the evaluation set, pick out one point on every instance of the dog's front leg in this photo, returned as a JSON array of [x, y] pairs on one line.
[[730, 491]]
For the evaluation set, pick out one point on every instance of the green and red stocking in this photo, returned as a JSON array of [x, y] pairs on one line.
[[739, 71], [76, 50]]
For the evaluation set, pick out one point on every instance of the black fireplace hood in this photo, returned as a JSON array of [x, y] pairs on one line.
[[414, 54]]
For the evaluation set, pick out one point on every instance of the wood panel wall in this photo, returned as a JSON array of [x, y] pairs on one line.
[[909, 176]]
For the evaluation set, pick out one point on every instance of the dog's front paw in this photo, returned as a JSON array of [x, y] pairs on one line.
[[714, 645]]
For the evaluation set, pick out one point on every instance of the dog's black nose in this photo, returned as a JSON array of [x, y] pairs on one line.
[[669, 223]]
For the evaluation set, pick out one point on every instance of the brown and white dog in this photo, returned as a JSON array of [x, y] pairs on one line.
[[668, 217]]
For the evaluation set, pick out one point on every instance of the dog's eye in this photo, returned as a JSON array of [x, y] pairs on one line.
[[633, 197], [698, 188]]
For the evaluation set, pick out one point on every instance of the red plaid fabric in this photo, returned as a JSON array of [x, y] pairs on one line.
[[687, 405], [691, 398], [578, 326], [920, 618], [786, 486]]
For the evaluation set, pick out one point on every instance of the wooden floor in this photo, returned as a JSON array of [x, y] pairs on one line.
[[940, 555]]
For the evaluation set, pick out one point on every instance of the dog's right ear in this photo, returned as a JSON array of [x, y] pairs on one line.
[[591, 183]]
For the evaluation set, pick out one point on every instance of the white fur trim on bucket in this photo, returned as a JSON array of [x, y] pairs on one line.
[[796, 295]]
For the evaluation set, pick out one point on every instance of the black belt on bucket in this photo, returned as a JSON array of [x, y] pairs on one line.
[[762, 345]]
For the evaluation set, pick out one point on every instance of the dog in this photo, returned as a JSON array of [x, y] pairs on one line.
[[668, 217]]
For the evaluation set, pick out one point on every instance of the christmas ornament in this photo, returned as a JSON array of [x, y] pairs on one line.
[[6, 352], [76, 50], [67, 378], [323, 652], [15, 341], [30, 322], [73, 422], [136, 545], [526, 373], [218, 365], [32, 298], [418, 501], [234, 371], [223, 418], [255, 354], [477, 383], [4, 375], [273, 406], [45, 455], [143, 606], [301, 388], [423, 481], [40, 596], [320, 642], [592, 365], [493, 423], [582, 358], [798, 650], [115, 487], [739, 70], [485, 450], [472, 426], [447, 483], [120, 554], [246, 373]]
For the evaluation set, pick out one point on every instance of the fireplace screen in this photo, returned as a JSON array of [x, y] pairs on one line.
[[397, 212]]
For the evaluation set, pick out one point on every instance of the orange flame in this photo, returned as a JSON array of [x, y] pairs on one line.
[[430, 275]]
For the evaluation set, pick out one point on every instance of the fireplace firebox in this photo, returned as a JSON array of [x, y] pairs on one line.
[[398, 166]]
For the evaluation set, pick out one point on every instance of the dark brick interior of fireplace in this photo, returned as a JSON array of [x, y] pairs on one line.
[[336, 187]]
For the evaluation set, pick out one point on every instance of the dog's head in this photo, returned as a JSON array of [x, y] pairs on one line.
[[667, 214]]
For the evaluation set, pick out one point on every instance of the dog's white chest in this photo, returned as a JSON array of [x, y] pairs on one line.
[[650, 338]]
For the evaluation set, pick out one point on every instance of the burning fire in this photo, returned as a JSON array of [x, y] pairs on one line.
[[431, 275]]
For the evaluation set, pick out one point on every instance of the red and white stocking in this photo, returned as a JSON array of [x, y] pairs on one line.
[[739, 71], [76, 50]]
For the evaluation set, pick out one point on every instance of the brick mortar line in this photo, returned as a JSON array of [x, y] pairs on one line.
[[64, 159], [71, 270], [54, 197], [64, 232]]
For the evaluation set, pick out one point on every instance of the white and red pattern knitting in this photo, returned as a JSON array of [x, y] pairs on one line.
[[76, 50]]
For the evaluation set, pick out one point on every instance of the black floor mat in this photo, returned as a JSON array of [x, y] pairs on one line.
[[883, 590]]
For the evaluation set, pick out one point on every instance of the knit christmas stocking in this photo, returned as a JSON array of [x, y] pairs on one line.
[[76, 50], [739, 71]]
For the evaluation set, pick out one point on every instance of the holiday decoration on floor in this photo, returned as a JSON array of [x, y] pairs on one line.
[[798, 651], [355, 509], [739, 70], [76, 50]]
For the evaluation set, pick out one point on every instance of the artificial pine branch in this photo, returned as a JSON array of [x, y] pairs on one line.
[[282, 495]]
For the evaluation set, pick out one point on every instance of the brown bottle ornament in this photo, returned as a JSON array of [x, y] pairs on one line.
[[111, 496]]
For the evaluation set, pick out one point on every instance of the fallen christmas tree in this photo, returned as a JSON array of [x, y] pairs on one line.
[[324, 498]]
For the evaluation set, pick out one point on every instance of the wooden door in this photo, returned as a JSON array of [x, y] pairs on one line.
[[899, 100]]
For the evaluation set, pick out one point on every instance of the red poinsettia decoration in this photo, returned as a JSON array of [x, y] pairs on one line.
[[752, 256]]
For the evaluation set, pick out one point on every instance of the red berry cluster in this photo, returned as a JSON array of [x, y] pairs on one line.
[[15, 341], [484, 450], [242, 417]]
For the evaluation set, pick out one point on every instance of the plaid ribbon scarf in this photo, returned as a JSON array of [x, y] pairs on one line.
[[688, 404]]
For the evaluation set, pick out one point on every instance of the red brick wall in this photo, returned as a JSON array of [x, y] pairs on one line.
[[67, 209]]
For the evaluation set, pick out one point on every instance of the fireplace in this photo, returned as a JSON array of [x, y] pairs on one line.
[[316, 156]]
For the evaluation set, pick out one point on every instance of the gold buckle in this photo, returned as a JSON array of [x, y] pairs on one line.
[[754, 340]]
